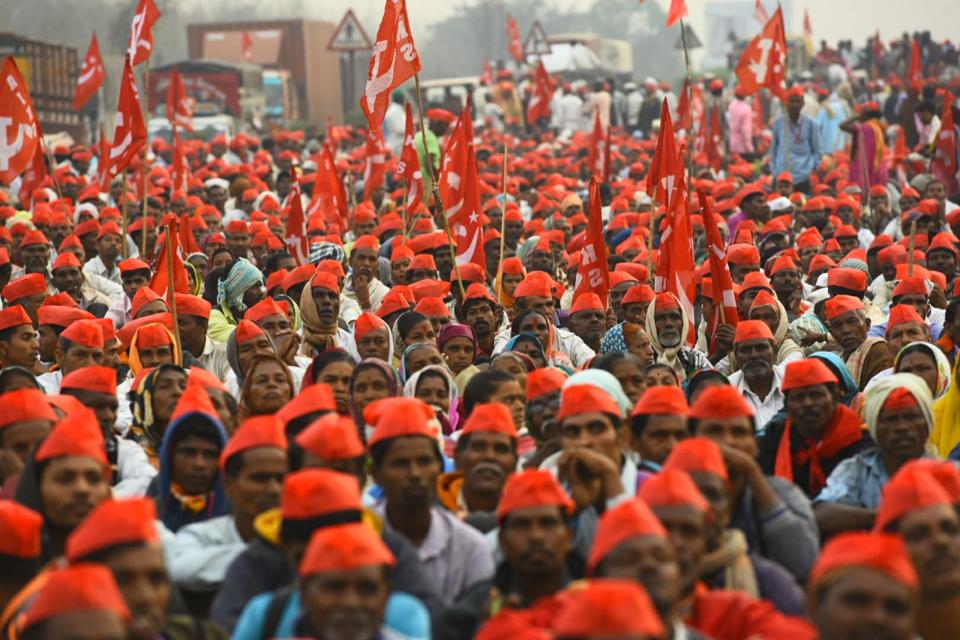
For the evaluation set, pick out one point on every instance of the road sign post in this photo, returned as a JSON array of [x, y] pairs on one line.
[[348, 38], [537, 43]]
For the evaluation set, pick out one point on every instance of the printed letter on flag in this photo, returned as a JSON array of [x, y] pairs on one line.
[[593, 275], [141, 32], [408, 168], [393, 61], [19, 130], [91, 75], [764, 60], [130, 132], [296, 233]]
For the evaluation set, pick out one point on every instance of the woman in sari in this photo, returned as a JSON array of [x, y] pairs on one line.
[[155, 397], [335, 368], [372, 380], [267, 388], [434, 385], [536, 323], [869, 164], [459, 348]]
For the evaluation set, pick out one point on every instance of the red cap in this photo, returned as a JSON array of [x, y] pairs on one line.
[[28, 285], [672, 488], [152, 335], [312, 399], [839, 305], [765, 299], [263, 309], [189, 305], [543, 381], [344, 547], [491, 416], [748, 190], [297, 276], [721, 401], [433, 307], [113, 522], [752, 330], [755, 280], [584, 398], [316, 492], [132, 264], [881, 552], [94, 378], [143, 297], [662, 401], [587, 302], [247, 331], [195, 399], [911, 285], [912, 488], [479, 291], [22, 530], [638, 293], [630, 519], [332, 437], [782, 263], [807, 373], [743, 254], [529, 489], [33, 237], [25, 405], [14, 316], [325, 280], [533, 285], [109, 228], [608, 608], [84, 332], [67, 259], [83, 587], [902, 313], [254, 433], [108, 328], [76, 435], [392, 302], [399, 417], [697, 454], [846, 278]]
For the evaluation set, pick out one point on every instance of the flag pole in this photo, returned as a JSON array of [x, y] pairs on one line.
[[171, 291], [913, 244], [653, 222], [53, 166], [689, 89], [503, 225], [436, 187], [146, 154], [123, 215]]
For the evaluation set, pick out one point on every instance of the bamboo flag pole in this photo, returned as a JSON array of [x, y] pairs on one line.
[[53, 166], [125, 247], [171, 291], [436, 187], [146, 154], [503, 226], [689, 89]]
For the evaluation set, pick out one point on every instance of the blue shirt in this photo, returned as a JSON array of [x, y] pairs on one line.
[[857, 481], [804, 144]]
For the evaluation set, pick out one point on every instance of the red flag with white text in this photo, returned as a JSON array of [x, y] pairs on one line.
[[514, 44], [676, 268], [539, 106], [130, 132], [295, 236], [91, 75], [459, 187], [375, 172], [724, 297], [394, 61], [140, 44], [19, 127], [764, 60], [593, 275], [179, 104], [408, 169]]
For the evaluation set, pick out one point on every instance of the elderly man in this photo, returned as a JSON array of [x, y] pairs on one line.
[[819, 433], [668, 325], [362, 286], [899, 415], [913, 290], [759, 379], [796, 142], [865, 356], [919, 504], [67, 276]]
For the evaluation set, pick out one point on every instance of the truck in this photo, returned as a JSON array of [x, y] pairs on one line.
[[50, 71], [587, 55], [232, 89], [301, 77]]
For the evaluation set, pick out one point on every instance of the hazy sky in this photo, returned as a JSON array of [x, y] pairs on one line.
[[832, 19]]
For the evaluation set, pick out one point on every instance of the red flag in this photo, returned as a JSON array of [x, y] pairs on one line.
[[35, 175], [375, 173], [758, 118], [764, 60], [676, 270], [916, 63], [678, 11], [945, 159], [91, 75], [329, 196], [808, 27], [246, 45], [179, 108], [486, 77], [725, 302], [684, 113], [597, 159], [460, 193], [296, 233], [394, 61], [539, 106], [187, 240], [19, 129], [665, 168], [141, 32], [179, 168], [513, 36], [593, 275], [900, 149], [130, 132], [714, 139], [408, 168], [161, 279], [760, 13]]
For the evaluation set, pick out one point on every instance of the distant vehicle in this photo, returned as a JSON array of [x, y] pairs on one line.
[[587, 55], [281, 96], [217, 88], [204, 128]]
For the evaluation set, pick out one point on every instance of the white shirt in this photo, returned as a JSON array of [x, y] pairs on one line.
[[50, 381], [769, 406], [572, 107], [134, 470], [201, 553], [95, 267]]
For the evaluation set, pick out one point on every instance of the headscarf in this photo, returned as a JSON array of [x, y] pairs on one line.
[[525, 337], [519, 356], [406, 352], [553, 356], [232, 285], [448, 420], [389, 375], [942, 364], [197, 278], [319, 335], [668, 356], [836, 364], [877, 394], [946, 418], [602, 380], [613, 341], [133, 355], [144, 427], [526, 248], [233, 359], [327, 251], [453, 330], [244, 409]]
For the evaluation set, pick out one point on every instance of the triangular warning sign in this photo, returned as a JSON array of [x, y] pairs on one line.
[[693, 42], [536, 43], [349, 35]]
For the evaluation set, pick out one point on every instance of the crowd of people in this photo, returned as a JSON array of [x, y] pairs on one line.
[[381, 443]]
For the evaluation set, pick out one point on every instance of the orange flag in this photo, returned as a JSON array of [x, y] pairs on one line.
[[179, 110], [141, 32], [676, 269], [394, 61], [724, 298], [597, 159], [130, 132], [593, 275], [916, 63], [764, 60], [513, 35], [539, 106], [664, 168], [160, 282], [375, 172], [329, 196], [91, 75], [678, 11], [460, 192]]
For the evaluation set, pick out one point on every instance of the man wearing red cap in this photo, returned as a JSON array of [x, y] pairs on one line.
[[79, 345], [67, 276], [406, 465], [865, 356], [759, 378], [914, 291], [109, 246], [668, 325], [19, 549], [134, 274], [587, 319], [898, 413], [479, 310], [19, 345], [796, 143], [28, 291], [535, 537], [193, 316], [362, 285], [658, 422], [859, 573]]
